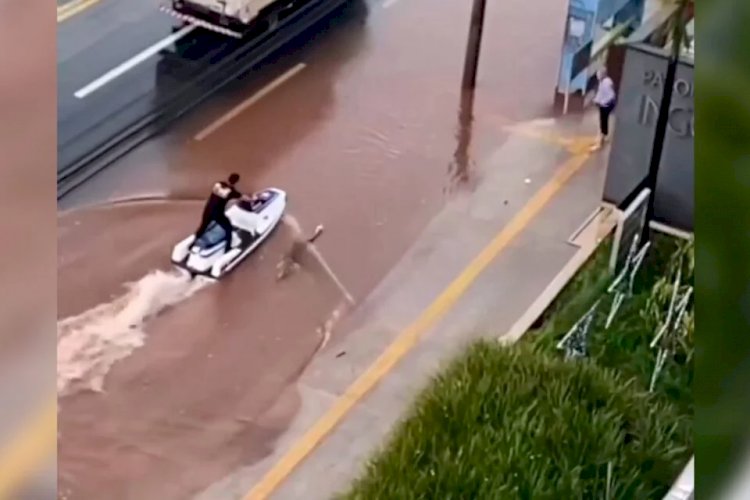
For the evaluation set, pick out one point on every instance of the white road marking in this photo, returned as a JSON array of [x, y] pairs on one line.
[[390, 3], [132, 62], [232, 113]]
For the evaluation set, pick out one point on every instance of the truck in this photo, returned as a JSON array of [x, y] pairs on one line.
[[235, 18]]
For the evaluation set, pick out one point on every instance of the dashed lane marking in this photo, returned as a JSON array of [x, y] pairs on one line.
[[235, 111]]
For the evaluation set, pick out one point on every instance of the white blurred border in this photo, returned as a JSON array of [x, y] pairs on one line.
[[739, 485], [683, 488]]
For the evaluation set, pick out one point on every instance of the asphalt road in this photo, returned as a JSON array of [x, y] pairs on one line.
[[165, 67]]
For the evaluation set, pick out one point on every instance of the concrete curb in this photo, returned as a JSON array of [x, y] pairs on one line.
[[587, 239]]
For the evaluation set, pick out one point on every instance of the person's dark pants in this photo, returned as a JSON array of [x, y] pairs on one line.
[[223, 221], [604, 112]]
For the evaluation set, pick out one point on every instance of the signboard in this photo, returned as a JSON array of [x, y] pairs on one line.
[[584, 28], [577, 45], [629, 227], [581, 60], [641, 87]]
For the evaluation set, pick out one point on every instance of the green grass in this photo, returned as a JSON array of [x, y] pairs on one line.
[[625, 345], [519, 423], [522, 422]]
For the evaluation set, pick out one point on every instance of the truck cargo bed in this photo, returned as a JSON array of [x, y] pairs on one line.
[[206, 18]]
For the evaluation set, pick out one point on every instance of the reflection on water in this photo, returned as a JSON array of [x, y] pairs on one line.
[[460, 168], [304, 252]]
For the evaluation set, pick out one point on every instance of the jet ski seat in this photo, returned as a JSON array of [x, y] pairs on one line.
[[214, 236]]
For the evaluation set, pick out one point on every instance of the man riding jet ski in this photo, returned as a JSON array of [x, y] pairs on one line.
[[226, 236], [216, 206]]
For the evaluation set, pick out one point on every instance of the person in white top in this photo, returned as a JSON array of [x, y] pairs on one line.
[[605, 98]]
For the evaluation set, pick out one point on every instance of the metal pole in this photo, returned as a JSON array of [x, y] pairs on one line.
[[662, 121], [474, 44]]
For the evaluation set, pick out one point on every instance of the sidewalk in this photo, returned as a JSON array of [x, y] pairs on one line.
[[513, 251]]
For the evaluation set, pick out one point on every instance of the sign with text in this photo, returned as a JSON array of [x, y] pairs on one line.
[[588, 23], [636, 115]]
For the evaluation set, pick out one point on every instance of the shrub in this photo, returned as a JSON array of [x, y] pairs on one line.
[[515, 422]]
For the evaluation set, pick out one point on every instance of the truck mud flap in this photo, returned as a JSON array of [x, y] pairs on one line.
[[200, 22]]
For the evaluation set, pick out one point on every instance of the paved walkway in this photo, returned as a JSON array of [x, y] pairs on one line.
[[491, 252]]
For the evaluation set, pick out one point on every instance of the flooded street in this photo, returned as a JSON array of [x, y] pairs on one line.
[[363, 137], [203, 393]]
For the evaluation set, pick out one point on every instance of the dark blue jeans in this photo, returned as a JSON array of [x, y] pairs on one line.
[[604, 112]]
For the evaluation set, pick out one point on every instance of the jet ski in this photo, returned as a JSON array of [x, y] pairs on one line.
[[252, 221]]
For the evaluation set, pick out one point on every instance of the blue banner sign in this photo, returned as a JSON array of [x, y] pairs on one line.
[[584, 27]]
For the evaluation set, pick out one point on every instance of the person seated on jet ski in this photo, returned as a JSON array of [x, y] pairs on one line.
[[215, 208], [255, 200]]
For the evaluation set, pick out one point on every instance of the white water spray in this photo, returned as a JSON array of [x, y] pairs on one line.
[[90, 343]]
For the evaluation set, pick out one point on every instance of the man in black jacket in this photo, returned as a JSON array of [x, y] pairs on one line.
[[215, 209]]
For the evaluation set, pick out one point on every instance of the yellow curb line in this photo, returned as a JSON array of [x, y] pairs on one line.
[[70, 9]]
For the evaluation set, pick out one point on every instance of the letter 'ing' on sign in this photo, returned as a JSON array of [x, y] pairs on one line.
[[681, 120], [648, 111]]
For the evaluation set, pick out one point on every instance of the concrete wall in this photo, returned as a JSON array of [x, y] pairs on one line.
[[640, 91]]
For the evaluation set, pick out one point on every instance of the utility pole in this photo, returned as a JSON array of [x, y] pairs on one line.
[[474, 44], [459, 168], [658, 145]]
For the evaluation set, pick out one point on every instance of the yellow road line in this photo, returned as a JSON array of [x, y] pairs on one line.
[[28, 451], [409, 337], [70, 9]]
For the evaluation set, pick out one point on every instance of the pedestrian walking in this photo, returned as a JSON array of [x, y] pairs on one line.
[[605, 99]]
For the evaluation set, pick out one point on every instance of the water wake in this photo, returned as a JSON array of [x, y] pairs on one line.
[[90, 343]]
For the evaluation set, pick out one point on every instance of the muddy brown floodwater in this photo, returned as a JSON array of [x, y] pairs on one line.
[[204, 394], [364, 141]]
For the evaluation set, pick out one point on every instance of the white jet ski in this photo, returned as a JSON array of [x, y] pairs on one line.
[[252, 223]]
